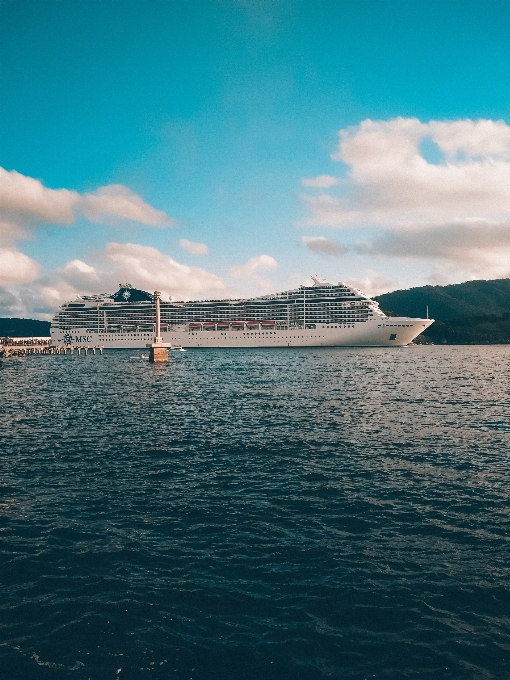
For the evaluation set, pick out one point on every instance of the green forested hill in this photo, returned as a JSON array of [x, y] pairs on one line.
[[470, 330], [473, 298], [474, 312], [24, 328]]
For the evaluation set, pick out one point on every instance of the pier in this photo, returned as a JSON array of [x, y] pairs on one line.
[[30, 347]]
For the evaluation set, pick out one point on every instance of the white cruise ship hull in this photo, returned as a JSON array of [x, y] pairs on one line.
[[376, 332]]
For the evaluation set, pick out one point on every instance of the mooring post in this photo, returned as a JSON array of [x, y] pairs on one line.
[[158, 352]]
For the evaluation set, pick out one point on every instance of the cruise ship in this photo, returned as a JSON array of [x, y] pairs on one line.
[[320, 315]]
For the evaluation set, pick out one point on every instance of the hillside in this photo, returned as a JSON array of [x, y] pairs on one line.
[[24, 328], [472, 298], [475, 330], [475, 312]]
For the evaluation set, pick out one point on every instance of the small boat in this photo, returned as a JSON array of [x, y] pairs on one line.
[[177, 348]]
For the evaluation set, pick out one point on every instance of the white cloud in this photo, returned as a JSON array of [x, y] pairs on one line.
[[80, 276], [253, 264], [10, 232], [16, 267], [458, 208], [479, 248], [482, 138], [320, 182], [118, 202], [323, 245], [330, 211], [142, 266], [150, 269], [373, 283], [391, 185], [193, 248], [51, 293], [79, 266], [24, 198], [250, 279]]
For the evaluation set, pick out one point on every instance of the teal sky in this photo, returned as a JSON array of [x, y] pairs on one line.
[[215, 111]]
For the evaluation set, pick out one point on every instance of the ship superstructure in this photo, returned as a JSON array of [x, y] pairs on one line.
[[322, 314]]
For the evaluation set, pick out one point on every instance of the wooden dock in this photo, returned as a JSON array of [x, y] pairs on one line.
[[21, 350]]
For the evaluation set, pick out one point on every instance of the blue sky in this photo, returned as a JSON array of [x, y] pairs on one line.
[[215, 111]]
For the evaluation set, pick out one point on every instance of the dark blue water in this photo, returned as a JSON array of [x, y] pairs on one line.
[[250, 514]]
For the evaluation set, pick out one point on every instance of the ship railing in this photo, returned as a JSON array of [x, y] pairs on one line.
[[132, 328], [234, 325]]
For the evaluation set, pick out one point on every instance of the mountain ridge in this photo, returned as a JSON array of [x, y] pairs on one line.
[[458, 300], [473, 312], [23, 328]]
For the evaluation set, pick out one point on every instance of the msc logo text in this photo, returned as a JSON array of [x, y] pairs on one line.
[[68, 339]]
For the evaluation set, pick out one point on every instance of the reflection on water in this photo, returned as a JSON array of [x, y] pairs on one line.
[[296, 513]]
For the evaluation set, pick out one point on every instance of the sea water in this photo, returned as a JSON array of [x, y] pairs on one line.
[[250, 514]]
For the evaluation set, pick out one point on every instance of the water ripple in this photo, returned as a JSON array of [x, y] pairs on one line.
[[255, 514]]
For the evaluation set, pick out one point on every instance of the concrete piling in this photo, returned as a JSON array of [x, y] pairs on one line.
[[158, 353]]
